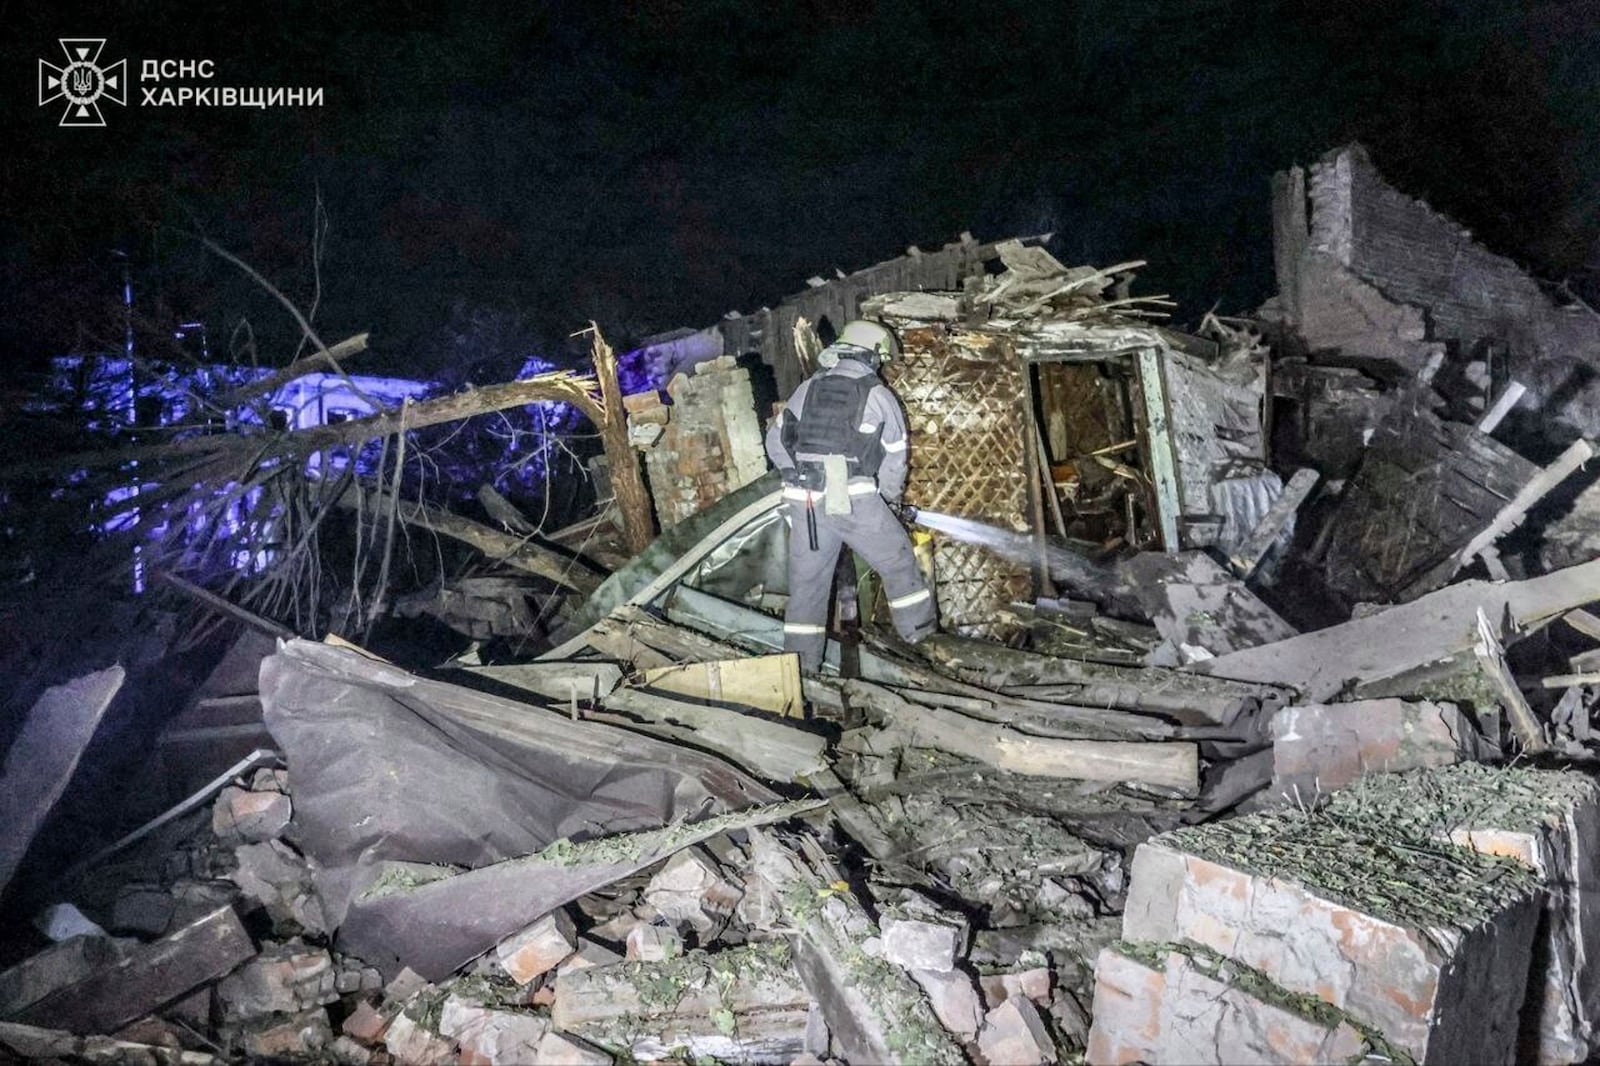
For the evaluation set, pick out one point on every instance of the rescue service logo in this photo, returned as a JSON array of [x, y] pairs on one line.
[[83, 82]]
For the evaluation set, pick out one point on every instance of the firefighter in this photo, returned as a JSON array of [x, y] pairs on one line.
[[840, 444]]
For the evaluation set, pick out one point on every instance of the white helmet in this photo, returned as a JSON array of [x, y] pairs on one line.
[[861, 338], [870, 335]]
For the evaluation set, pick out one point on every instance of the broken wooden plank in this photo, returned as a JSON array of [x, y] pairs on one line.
[[41, 760], [1163, 463], [1502, 407], [1248, 556], [874, 1010], [559, 682], [1189, 697], [1492, 657], [745, 1004], [147, 978], [1165, 764], [1570, 680], [766, 747], [1516, 509], [517, 553], [768, 683], [1322, 664], [1583, 622]]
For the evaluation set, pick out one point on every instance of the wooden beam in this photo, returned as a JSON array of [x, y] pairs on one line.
[[1249, 555], [1512, 514], [1405, 637], [1163, 459], [1169, 764], [1502, 407], [1570, 680], [1491, 656], [1583, 622], [150, 977]]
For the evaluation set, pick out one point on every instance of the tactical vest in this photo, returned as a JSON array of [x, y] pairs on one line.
[[829, 424]]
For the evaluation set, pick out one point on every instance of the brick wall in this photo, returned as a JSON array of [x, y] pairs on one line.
[[711, 443]]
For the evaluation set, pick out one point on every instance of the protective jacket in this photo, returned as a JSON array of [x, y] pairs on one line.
[[844, 422], [847, 411]]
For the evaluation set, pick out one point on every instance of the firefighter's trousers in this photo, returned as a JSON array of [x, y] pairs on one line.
[[872, 532]]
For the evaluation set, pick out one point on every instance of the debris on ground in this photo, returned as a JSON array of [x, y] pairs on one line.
[[1259, 724]]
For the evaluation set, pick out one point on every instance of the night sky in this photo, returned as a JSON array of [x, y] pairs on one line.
[[492, 177]]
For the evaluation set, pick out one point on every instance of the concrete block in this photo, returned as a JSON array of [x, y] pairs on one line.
[[1014, 1035], [1158, 1006], [954, 1000], [914, 944], [541, 947], [1434, 955], [1318, 748], [1548, 820], [557, 1049]]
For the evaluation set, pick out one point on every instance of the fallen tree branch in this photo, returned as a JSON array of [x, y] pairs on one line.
[[518, 553]]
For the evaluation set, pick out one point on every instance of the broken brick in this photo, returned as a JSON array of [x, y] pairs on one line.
[[299, 1036], [1318, 748], [914, 944], [539, 948], [1014, 1035], [1169, 1006], [654, 943], [954, 1000], [365, 1023], [281, 980], [250, 817]]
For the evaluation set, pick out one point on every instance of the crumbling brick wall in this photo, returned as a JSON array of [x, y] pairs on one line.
[[1374, 274], [711, 444], [1415, 255]]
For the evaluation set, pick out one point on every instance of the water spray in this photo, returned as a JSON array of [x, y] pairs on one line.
[[1066, 565]]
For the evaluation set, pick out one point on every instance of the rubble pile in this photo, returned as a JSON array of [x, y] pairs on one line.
[[1257, 729]]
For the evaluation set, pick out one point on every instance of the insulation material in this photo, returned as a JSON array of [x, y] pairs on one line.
[[965, 395]]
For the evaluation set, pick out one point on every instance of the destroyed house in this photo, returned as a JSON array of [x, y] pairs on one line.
[[1038, 407], [1120, 810]]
